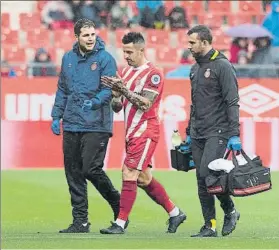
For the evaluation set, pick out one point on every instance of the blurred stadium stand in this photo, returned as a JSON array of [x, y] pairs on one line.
[[22, 31]]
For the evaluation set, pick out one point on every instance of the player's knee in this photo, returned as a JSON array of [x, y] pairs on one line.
[[143, 181], [129, 174]]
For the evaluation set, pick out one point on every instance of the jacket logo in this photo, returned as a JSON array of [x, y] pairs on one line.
[[207, 73], [93, 66], [69, 65]]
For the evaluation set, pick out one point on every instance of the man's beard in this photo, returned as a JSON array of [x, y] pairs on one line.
[[83, 49], [196, 55], [130, 62]]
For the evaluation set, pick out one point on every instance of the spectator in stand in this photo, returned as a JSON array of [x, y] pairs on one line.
[[239, 43], [271, 22], [42, 64], [90, 10], [151, 14], [183, 70], [263, 56], [75, 5], [242, 60], [57, 15], [266, 4], [7, 70], [121, 15], [178, 18]]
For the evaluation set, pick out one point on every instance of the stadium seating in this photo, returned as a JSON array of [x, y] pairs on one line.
[[193, 7], [5, 20], [251, 7], [165, 55], [103, 33], [9, 38], [219, 7], [14, 54], [155, 37], [169, 5], [119, 33], [29, 21], [64, 39], [220, 40], [212, 20], [182, 38], [38, 38], [19, 45]]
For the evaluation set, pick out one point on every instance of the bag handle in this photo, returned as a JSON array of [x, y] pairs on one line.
[[227, 154], [235, 162]]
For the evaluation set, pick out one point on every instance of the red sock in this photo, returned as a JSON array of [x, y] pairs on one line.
[[157, 192], [127, 199]]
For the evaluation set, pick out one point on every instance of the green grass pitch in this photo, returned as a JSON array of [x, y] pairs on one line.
[[35, 205]]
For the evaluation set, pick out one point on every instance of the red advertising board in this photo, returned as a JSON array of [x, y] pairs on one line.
[[27, 140]]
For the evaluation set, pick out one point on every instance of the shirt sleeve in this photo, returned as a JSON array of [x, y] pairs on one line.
[[104, 95], [61, 96], [229, 85], [154, 82]]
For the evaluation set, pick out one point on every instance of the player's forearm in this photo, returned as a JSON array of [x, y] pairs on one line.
[[137, 100], [116, 104]]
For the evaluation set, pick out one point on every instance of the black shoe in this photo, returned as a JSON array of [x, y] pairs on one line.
[[126, 224], [175, 221], [206, 231], [76, 228], [230, 221], [113, 229]]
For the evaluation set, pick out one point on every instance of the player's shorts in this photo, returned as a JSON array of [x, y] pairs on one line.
[[139, 152]]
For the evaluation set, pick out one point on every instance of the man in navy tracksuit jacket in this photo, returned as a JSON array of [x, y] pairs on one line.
[[83, 105]]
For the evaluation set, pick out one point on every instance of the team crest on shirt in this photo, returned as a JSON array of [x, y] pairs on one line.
[[207, 73], [155, 79], [93, 66]]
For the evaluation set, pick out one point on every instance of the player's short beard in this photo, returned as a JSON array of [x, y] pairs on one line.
[[130, 63]]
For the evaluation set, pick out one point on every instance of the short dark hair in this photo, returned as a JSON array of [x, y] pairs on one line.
[[204, 33], [133, 37], [81, 23]]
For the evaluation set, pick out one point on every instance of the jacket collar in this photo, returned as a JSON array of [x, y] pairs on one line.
[[210, 56]]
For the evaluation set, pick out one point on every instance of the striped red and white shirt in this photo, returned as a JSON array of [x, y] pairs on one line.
[[139, 123]]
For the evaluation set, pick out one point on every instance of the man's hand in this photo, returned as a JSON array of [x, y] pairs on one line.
[[115, 94], [188, 140], [186, 144], [234, 143], [115, 83], [55, 127], [87, 105], [92, 104]]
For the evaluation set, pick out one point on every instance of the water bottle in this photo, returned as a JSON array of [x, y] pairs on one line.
[[176, 139]]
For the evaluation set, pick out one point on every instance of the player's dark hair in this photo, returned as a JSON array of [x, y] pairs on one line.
[[133, 37], [82, 23], [204, 33]]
